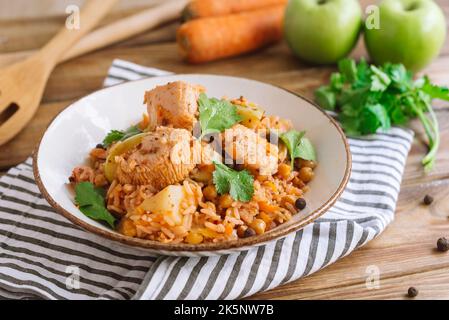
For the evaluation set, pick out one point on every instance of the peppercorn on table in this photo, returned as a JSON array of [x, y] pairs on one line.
[[404, 256]]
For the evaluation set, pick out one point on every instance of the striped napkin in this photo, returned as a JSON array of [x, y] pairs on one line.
[[43, 255]]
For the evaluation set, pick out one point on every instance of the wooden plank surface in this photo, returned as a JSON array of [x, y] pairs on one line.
[[404, 254]]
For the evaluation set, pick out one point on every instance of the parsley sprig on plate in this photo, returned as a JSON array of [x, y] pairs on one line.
[[368, 98], [91, 202], [239, 184], [298, 146], [117, 135], [216, 115]]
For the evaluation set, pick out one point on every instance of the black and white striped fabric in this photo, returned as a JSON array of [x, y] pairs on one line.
[[42, 255]]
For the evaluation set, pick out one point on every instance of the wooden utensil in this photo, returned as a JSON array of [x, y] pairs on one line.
[[22, 84], [114, 32]]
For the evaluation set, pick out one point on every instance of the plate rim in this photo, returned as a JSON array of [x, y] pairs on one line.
[[205, 247]]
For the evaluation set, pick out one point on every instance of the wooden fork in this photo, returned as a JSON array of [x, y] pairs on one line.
[[22, 84]]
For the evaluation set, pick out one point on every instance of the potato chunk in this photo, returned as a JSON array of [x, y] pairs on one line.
[[167, 203]]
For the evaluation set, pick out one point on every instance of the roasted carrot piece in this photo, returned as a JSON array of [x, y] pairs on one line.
[[229, 228], [210, 8], [215, 38], [267, 207]]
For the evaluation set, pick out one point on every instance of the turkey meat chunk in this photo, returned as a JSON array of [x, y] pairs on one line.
[[165, 156], [174, 104], [248, 148]]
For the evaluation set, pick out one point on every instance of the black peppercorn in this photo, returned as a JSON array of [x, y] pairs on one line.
[[300, 203], [249, 233], [443, 245], [428, 200], [412, 292]]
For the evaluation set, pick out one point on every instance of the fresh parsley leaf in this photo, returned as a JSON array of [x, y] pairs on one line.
[[351, 125], [379, 80], [355, 97], [401, 78], [368, 98], [298, 146], [305, 150], [348, 69], [216, 115], [363, 75], [349, 110], [326, 98], [116, 135], [337, 82], [398, 116], [132, 131], [239, 184], [87, 194], [381, 115], [113, 136], [91, 202], [292, 139], [435, 92]]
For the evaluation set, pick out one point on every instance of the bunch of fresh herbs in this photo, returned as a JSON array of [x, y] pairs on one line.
[[368, 98]]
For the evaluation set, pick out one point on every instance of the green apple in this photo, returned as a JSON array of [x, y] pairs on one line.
[[322, 31], [411, 32]]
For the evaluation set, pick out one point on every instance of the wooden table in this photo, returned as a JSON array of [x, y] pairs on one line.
[[405, 253]]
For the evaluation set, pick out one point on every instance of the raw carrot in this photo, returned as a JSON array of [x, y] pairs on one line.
[[209, 8], [215, 38]]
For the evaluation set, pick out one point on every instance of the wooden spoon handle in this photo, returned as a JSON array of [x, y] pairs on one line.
[[127, 27], [114, 32], [91, 14]]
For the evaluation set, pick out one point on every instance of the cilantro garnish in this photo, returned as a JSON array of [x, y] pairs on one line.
[[216, 115], [368, 98], [298, 146], [239, 184], [91, 202], [116, 135]]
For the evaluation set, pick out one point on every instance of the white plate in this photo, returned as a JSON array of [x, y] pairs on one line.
[[76, 130]]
